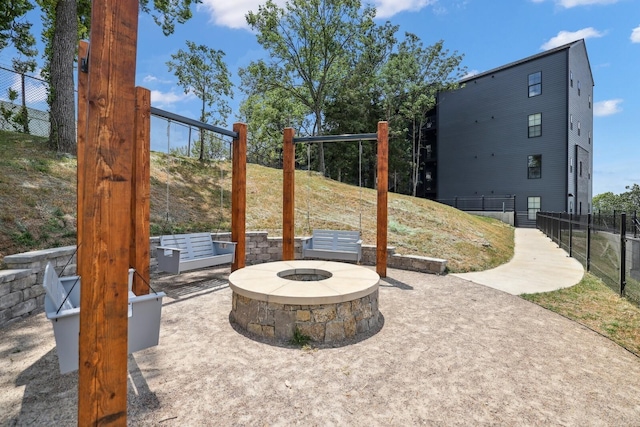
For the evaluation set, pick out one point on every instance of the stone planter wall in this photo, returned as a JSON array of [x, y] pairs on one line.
[[22, 294]]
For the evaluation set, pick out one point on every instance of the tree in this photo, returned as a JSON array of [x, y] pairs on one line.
[[202, 71], [628, 202], [267, 114], [309, 43], [411, 80], [14, 30], [66, 22]]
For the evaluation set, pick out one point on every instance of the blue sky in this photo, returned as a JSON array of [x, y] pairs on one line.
[[488, 33]]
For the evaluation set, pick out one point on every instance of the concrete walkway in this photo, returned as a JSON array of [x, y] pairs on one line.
[[538, 265]]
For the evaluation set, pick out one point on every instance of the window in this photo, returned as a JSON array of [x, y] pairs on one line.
[[589, 101], [589, 137], [579, 87], [578, 127], [535, 84], [570, 165], [535, 125], [580, 173], [534, 166], [571, 121], [571, 78], [533, 207]]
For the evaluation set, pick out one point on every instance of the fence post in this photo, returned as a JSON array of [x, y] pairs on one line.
[[635, 224], [623, 252], [559, 230], [589, 229], [483, 203], [614, 221], [570, 234]]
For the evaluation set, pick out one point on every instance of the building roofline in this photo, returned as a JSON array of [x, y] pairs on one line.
[[528, 59]]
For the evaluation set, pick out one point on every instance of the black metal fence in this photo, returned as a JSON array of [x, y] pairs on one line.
[[482, 203], [611, 254], [23, 103]]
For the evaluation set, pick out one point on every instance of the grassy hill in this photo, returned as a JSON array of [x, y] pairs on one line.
[[38, 207]]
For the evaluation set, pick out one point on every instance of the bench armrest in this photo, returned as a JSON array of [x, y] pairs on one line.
[[223, 247], [166, 248]]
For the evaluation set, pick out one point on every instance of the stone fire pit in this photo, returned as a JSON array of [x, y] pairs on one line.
[[327, 301]]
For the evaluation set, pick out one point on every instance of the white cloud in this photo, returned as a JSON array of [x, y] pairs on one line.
[[232, 13], [635, 35], [153, 79], [607, 108], [162, 99], [568, 4], [565, 37], [471, 73], [388, 8]]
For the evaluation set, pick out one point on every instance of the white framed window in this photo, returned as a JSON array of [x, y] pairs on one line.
[[534, 166], [533, 207], [578, 127], [535, 125], [570, 121], [535, 84]]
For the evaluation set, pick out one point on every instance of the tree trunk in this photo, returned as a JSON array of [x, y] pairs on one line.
[[61, 90]]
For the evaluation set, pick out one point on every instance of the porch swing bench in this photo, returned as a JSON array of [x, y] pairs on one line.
[[184, 252], [62, 307], [340, 245]]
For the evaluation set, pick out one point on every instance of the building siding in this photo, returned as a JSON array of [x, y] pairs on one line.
[[483, 142]]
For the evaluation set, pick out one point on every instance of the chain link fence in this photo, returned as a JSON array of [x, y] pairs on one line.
[[23, 103]]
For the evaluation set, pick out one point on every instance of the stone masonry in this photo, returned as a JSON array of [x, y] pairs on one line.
[[325, 323]]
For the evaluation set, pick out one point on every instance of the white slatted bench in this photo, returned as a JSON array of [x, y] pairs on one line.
[[342, 245], [184, 252], [62, 306]]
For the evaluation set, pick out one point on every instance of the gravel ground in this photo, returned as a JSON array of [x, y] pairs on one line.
[[450, 352]]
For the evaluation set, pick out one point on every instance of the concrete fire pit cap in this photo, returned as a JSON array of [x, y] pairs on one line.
[[339, 282]]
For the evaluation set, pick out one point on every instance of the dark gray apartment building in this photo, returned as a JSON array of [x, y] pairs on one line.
[[524, 129]]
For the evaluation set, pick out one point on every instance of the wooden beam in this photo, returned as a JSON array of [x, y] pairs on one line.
[[383, 188], [288, 195], [106, 214], [139, 257], [239, 195], [83, 84]]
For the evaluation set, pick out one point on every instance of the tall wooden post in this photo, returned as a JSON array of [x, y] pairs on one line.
[[83, 85], [139, 257], [239, 195], [106, 214], [383, 187], [288, 195]]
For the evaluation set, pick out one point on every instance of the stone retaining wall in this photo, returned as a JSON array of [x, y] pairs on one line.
[[22, 294], [322, 323]]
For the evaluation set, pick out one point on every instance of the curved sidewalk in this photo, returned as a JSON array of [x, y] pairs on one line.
[[538, 265]]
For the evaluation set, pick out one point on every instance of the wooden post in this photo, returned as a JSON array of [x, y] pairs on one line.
[[83, 78], [239, 195], [288, 195], [139, 257], [383, 187], [106, 214]]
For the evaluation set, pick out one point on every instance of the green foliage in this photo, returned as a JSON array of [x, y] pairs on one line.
[[14, 29], [628, 202], [309, 44], [299, 339], [410, 82], [202, 71]]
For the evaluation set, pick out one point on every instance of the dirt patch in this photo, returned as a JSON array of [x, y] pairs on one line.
[[450, 352]]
